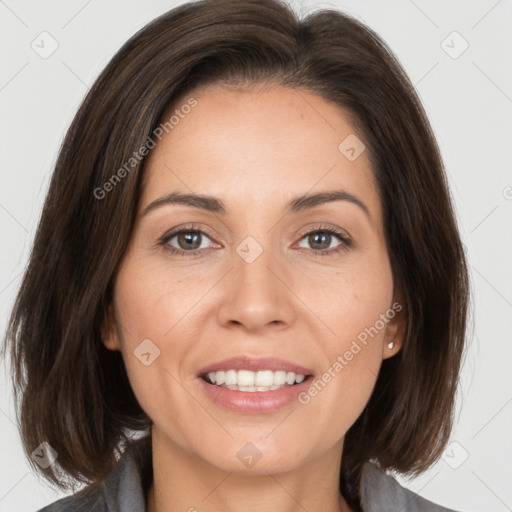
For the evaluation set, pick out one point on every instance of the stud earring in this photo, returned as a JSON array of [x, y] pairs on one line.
[[391, 344]]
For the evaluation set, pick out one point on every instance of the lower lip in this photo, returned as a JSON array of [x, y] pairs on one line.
[[257, 401]]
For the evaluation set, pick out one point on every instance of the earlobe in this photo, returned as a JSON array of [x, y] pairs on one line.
[[390, 349], [395, 330], [111, 344], [109, 336]]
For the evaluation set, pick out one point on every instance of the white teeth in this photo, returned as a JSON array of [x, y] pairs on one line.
[[230, 378], [279, 378], [264, 378], [290, 378], [246, 380]]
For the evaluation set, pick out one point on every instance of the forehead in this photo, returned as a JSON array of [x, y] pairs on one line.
[[258, 146]]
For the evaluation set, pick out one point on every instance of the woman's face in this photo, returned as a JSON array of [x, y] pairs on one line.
[[259, 280]]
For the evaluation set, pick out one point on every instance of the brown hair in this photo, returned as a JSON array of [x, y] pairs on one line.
[[73, 393]]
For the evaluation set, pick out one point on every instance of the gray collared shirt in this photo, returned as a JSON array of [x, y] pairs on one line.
[[124, 489]]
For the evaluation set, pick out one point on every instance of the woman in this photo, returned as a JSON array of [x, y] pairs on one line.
[[248, 258]]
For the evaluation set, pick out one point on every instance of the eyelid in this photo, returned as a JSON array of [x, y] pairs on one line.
[[313, 228]]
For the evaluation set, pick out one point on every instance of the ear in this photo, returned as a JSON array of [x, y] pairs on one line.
[[109, 332], [395, 328]]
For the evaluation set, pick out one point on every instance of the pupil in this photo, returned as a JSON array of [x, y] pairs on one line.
[[187, 238], [314, 239]]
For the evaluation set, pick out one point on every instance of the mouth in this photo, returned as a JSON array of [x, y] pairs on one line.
[[253, 375]]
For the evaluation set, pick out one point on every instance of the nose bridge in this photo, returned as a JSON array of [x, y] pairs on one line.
[[255, 296], [252, 262]]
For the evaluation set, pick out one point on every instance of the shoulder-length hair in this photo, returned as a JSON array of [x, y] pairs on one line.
[[71, 392]]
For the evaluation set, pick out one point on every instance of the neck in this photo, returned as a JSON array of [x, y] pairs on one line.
[[183, 482]]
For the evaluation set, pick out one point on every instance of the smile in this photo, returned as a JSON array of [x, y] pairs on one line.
[[249, 381]]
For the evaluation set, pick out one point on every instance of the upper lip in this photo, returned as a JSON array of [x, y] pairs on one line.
[[255, 364]]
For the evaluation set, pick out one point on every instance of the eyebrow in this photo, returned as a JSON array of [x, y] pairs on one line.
[[296, 205]]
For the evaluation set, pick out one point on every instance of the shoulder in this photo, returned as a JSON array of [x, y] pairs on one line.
[[122, 489], [380, 492], [90, 499]]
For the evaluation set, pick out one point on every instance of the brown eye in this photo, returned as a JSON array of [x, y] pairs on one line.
[[186, 241], [190, 240], [321, 239]]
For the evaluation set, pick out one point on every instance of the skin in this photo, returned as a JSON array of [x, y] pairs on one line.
[[255, 151]]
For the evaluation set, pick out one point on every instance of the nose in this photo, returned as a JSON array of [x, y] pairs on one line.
[[257, 295]]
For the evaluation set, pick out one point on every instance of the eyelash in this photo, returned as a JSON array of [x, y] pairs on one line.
[[345, 241]]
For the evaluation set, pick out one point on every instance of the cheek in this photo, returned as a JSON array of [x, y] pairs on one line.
[[338, 396], [152, 300], [152, 308], [357, 308], [353, 302]]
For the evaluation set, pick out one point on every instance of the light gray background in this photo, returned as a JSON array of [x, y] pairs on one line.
[[469, 102]]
